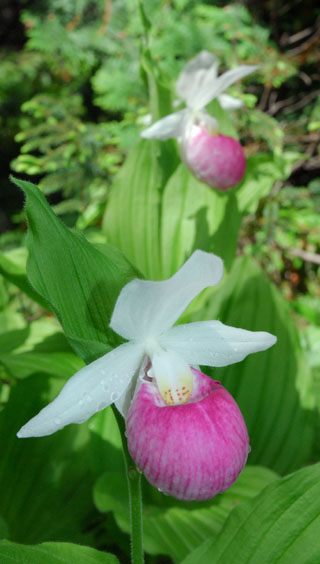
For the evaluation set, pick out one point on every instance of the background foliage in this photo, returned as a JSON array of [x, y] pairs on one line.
[[77, 82]]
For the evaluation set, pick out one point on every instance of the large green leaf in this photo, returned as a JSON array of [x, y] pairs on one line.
[[175, 528], [263, 171], [196, 217], [79, 282], [40, 347], [4, 533], [45, 484], [170, 526], [52, 553], [16, 274], [61, 364], [280, 525], [132, 219], [274, 388]]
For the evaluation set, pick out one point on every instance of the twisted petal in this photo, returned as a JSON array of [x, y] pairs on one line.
[[211, 343], [146, 309], [213, 87], [201, 70], [229, 102], [165, 128], [91, 389]]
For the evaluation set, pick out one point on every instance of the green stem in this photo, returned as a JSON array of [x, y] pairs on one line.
[[135, 497]]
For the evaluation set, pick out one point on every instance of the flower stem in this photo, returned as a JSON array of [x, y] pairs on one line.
[[135, 497]]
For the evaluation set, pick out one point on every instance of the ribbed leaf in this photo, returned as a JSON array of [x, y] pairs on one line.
[[273, 388], [45, 484], [176, 528], [280, 525], [79, 282], [61, 364], [17, 275], [196, 217], [132, 219], [52, 553]]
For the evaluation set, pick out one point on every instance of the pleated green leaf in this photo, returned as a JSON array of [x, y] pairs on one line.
[[80, 283], [281, 525], [274, 389], [61, 364], [52, 553], [132, 219], [45, 484], [196, 217], [16, 274], [172, 527]]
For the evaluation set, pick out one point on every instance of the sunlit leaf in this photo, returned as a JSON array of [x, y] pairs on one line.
[[280, 525], [176, 528], [79, 282], [53, 553]]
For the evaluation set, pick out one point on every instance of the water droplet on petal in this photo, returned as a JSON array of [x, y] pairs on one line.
[[101, 405], [114, 396]]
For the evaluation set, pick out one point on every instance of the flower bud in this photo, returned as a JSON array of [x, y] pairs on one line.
[[191, 451], [217, 160]]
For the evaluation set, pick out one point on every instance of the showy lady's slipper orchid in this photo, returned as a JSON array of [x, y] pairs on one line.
[[215, 159], [184, 430]]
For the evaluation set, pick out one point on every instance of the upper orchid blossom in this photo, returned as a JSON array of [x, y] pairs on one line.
[[215, 159], [144, 314]]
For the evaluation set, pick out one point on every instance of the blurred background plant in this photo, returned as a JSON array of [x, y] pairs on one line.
[[73, 99]]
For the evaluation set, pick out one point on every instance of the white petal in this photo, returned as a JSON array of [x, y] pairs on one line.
[[124, 402], [91, 389], [211, 343], [165, 128], [146, 309], [173, 376], [213, 88], [229, 102], [200, 69]]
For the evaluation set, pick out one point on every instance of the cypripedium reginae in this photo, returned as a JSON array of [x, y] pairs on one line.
[[215, 159], [184, 430]]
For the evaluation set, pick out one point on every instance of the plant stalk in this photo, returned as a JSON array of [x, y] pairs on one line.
[[135, 496]]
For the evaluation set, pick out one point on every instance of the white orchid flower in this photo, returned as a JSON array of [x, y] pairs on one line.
[[215, 159], [144, 314], [197, 85]]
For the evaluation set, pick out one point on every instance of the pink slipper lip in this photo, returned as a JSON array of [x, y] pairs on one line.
[[192, 451], [217, 160]]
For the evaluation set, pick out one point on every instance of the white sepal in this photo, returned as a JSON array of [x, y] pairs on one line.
[[146, 309], [211, 343], [214, 88], [91, 389], [198, 72], [165, 128], [229, 102]]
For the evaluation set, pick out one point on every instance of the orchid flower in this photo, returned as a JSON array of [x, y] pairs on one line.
[[215, 159], [156, 366]]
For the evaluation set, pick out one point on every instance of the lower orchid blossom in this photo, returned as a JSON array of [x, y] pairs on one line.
[[184, 430], [214, 158]]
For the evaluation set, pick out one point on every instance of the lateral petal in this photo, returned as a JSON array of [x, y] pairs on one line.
[[229, 102], [146, 309], [213, 88], [211, 343], [91, 389], [165, 128]]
